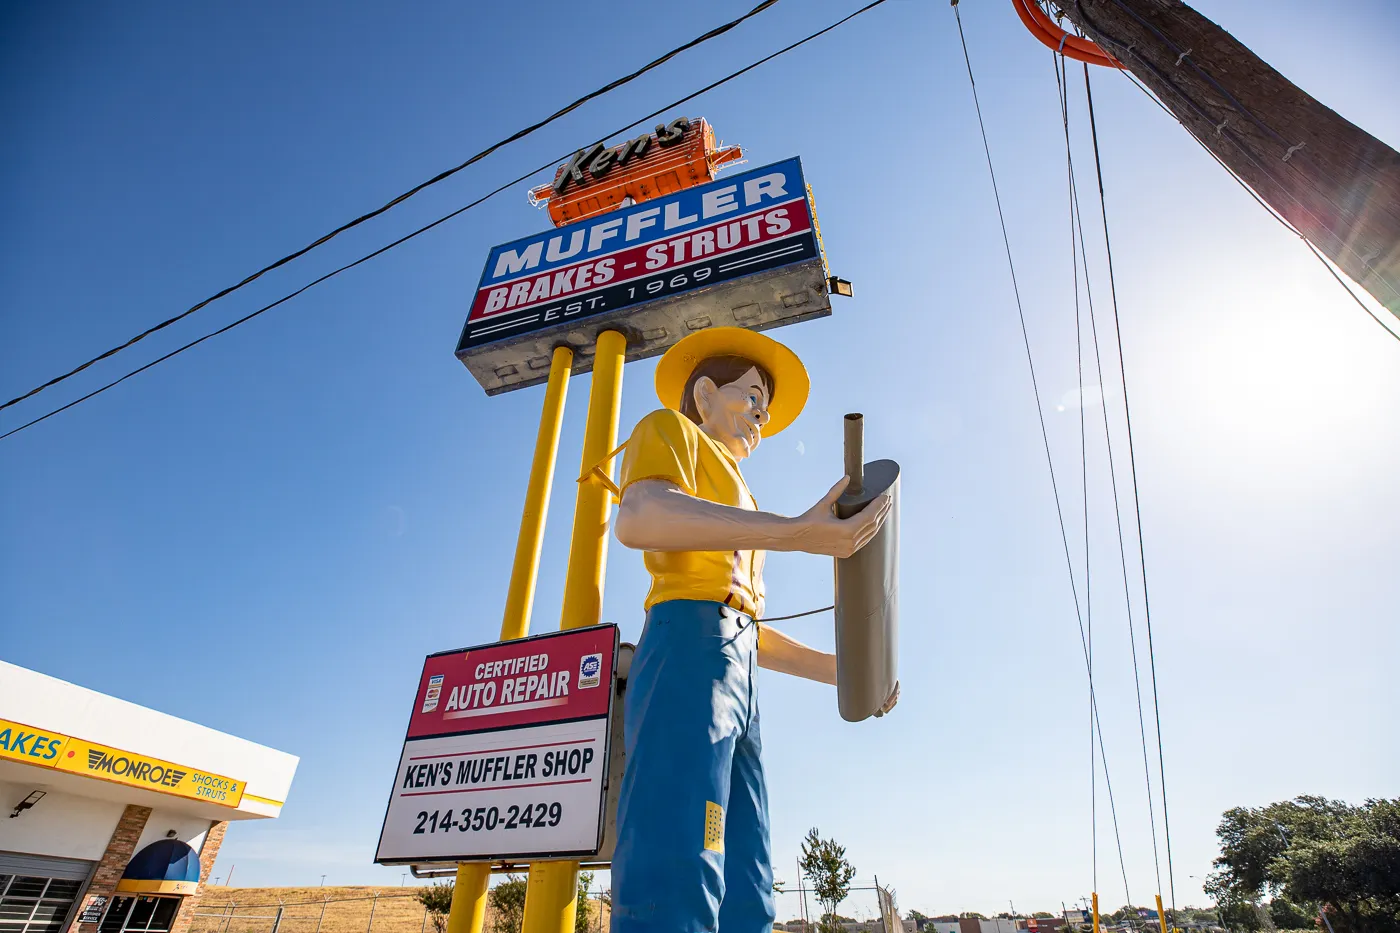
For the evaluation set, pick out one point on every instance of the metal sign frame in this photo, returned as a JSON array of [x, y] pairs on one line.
[[423, 697]]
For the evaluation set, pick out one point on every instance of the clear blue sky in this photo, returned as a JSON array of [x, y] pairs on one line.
[[268, 534]]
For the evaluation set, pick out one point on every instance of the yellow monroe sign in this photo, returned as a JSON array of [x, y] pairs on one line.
[[48, 749]]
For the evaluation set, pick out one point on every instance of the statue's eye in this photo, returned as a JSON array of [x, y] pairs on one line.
[[753, 400]]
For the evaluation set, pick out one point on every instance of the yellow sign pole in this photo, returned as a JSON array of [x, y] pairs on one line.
[[1095, 903], [520, 597], [588, 547], [469, 896], [468, 913], [553, 886], [1161, 915]]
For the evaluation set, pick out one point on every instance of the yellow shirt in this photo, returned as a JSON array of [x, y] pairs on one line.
[[666, 445]]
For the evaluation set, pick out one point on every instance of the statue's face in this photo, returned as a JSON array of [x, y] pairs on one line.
[[733, 414]]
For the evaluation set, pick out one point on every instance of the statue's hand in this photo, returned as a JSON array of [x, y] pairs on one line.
[[889, 704], [819, 531]]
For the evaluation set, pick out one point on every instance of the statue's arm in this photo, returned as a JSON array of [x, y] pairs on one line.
[[787, 655], [657, 515]]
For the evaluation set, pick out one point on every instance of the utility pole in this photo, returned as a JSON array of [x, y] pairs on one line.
[[1336, 183]]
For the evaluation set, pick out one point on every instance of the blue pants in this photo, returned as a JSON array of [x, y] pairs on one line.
[[692, 822]]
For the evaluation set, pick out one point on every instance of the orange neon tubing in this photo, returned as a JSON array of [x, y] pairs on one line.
[[1050, 34]]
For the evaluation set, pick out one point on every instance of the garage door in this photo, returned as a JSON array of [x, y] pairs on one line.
[[37, 894]]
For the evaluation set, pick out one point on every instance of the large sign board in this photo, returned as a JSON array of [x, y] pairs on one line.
[[506, 755], [607, 268], [46, 748]]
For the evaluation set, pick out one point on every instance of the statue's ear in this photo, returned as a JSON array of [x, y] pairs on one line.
[[705, 389]]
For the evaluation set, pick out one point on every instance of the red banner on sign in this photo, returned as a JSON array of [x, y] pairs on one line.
[[551, 678], [714, 242]]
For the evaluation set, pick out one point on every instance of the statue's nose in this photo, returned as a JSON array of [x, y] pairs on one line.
[[762, 417]]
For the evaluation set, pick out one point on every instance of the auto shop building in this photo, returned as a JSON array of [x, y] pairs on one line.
[[111, 814]]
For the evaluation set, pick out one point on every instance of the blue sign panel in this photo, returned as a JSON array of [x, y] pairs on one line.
[[740, 225]]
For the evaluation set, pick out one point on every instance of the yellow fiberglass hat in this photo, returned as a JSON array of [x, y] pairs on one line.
[[790, 381]]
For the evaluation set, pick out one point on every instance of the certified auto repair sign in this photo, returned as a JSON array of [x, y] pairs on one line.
[[507, 752]]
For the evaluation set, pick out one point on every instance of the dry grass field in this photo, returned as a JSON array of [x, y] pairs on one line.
[[325, 910]]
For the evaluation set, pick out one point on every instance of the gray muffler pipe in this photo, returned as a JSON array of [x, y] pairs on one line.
[[867, 588]]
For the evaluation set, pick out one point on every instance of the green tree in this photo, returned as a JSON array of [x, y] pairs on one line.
[[507, 901], [1290, 916], [825, 867], [437, 901], [1311, 854], [584, 908]]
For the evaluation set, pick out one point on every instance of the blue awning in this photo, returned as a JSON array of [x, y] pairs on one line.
[[167, 866]]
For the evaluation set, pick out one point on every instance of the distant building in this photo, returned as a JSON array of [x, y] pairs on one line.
[[1045, 924], [950, 924]]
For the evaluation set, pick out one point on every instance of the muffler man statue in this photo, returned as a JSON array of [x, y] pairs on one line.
[[693, 850]]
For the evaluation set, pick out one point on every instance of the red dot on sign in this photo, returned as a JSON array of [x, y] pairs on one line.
[[70, 754]]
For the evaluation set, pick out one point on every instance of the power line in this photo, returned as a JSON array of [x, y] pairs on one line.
[[1077, 224], [1113, 472], [441, 176], [1040, 413], [1288, 225], [446, 217], [1137, 500]]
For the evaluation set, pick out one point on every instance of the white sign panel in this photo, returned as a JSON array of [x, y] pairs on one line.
[[523, 792], [507, 753]]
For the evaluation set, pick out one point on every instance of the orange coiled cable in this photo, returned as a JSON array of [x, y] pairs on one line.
[[1050, 34]]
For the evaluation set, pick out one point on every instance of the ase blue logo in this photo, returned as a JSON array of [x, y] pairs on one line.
[[590, 666]]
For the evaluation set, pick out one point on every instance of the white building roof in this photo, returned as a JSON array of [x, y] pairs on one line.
[[83, 742]]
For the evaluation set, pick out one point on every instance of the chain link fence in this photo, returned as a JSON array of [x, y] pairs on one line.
[[341, 912], [370, 913]]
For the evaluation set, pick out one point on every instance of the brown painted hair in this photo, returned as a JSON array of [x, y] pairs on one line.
[[723, 370]]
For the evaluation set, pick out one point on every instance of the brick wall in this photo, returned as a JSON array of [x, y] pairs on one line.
[[207, 853], [109, 870]]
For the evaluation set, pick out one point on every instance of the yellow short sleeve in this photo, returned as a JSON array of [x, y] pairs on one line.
[[663, 446]]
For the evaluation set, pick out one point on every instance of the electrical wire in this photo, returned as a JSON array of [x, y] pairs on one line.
[[1077, 224], [441, 176], [1136, 502], [1288, 225], [1137, 499], [1083, 467], [1040, 410], [1113, 471], [446, 217]]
